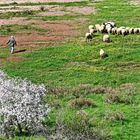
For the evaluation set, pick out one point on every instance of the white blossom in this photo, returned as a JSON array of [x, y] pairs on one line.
[[21, 105]]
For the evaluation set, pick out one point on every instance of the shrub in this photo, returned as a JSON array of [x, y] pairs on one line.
[[112, 98], [118, 97], [58, 91], [22, 109], [114, 116], [76, 129], [89, 89], [81, 102]]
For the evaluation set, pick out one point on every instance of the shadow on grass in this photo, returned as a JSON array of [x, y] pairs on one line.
[[19, 51]]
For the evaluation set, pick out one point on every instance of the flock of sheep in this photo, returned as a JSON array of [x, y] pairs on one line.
[[108, 28]]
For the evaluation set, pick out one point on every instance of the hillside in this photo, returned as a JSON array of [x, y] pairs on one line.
[[86, 93]]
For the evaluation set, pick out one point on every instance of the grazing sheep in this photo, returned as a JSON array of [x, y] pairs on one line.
[[103, 54], [106, 38], [109, 30], [88, 36], [127, 30], [97, 27], [114, 30], [136, 30], [131, 30], [102, 29], [119, 31], [109, 24], [92, 31], [139, 30], [123, 32], [90, 27]]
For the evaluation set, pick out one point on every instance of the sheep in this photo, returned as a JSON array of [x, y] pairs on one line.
[[92, 31], [88, 36], [90, 27], [127, 30], [102, 29], [136, 30], [131, 30], [110, 24], [103, 54], [118, 31], [106, 38], [114, 30], [124, 32], [109, 30], [97, 27]]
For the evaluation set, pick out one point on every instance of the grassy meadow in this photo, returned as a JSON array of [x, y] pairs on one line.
[[76, 77]]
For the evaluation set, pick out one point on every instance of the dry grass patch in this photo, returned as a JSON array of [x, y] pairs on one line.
[[124, 94], [115, 116], [87, 89], [81, 102]]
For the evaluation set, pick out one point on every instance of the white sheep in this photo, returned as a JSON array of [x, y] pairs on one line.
[[114, 30], [110, 24], [103, 54], [97, 27], [131, 30], [90, 27], [124, 32], [136, 30], [102, 29], [139, 30], [109, 30], [92, 31], [119, 31], [106, 38], [127, 30], [88, 36]]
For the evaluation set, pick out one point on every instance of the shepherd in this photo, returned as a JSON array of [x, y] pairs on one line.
[[12, 43]]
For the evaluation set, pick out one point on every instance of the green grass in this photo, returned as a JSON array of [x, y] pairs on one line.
[[71, 64], [20, 29], [8, 15]]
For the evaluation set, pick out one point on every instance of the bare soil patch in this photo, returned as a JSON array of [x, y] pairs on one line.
[[19, 21], [81, 10], [36, 1], [51, 10]]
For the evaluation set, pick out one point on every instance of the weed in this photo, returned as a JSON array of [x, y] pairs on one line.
[[81, 102], [115, 116], [57, 91], [112, 98]]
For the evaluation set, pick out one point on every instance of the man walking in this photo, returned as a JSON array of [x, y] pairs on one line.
[[12, 43]]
